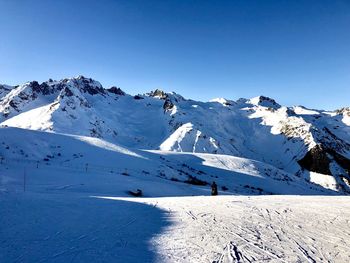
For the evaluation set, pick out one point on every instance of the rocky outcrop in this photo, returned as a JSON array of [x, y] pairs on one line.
[[316, 160], [168, 105], [265, 102], [116, 90], [88, 85], [158, 94]]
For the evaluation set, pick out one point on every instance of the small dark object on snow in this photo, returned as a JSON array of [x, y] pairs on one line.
[[138, 193], [214, 189]]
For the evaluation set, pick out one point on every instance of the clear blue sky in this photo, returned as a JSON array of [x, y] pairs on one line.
[[297, 52]]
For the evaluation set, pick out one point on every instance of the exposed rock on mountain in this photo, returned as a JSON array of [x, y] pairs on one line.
[[116, 91], [316, 160]]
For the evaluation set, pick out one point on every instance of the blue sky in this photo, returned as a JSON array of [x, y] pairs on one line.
[[297, 52]]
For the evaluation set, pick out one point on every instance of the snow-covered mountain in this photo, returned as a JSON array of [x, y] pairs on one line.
[[296, 142]]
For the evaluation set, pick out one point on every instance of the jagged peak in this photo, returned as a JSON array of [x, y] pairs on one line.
[[86, 85], [157, 93], [265, 102], [160, 94], [116, 90]]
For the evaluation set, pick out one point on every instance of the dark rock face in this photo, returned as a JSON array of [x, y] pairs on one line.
[[42, 88], [158, 93], [13, 105], [35, 86], [316, 160], [92, 90], [268, 102], [68, 92], [88, 85], [45, 89], [117, 91], [168, 105], [138, 97]]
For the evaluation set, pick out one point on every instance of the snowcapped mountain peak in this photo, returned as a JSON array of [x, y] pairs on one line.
[[265, 102], [86, 85], [301, 110], [159, 94], [222, 101]]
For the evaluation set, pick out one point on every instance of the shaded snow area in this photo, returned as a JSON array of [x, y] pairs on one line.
[[66, 226]]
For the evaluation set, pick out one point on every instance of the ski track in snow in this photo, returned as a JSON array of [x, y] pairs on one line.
[[254, 229], [76, 227]]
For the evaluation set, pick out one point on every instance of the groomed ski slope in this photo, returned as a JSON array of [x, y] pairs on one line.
[[62, 226]]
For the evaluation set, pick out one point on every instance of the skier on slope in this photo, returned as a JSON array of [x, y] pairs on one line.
[[214, 189]]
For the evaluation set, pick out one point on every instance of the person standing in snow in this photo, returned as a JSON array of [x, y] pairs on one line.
[[214, 189]]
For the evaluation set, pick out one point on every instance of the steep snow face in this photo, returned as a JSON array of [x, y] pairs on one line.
[[300, 110], [188, 139], [258, 128]]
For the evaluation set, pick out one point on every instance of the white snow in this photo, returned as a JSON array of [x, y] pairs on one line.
[[35, 119], [75, 206], [304, 111], [328, 181], [71, 152], [175, 139]]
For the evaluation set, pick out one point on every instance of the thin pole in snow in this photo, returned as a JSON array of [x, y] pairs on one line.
[[86, 167]]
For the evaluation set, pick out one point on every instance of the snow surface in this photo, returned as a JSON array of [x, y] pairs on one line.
[[59, 203], [75, 207], [71, 154], [65, 224]]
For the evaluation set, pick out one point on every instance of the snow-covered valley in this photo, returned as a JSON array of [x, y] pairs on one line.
[[72, 154]]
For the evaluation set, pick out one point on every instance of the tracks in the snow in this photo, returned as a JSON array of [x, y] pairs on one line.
[[257, 229]]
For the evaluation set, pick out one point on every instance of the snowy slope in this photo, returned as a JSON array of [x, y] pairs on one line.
[[71, 152], [65, 198], [57, 159], [312, 144]]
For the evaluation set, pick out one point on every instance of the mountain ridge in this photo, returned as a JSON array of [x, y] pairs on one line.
[[295, 139]]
